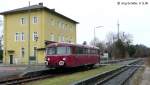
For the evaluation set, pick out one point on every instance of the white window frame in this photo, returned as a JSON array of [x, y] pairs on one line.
[[56, 23], [22, 36], [22, 20], [52, 37], [63, 26], [63, 39], [59, 38], [17, 36], [35, 19], [52, 21], [68, 29], [66, 26], [59, 24], [35, 35], [22, 52], [34, 51]]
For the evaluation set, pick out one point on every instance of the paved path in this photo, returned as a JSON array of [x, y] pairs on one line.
[[8, 71], [146, 77]]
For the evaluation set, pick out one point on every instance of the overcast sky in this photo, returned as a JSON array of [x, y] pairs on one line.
[[133, 19]]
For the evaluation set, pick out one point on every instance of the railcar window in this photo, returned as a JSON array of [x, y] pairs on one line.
[[79, 50], [68, 50], [85, 50], [96, 51], [61, 50], [89, 51], [93, 51], [58, 50], [51, 51]]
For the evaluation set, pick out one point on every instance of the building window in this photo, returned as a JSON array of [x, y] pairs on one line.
[[70, 40], [22, 20], [22, 36], [22, 52], [56, 23], [66, 26], [52, 22], [17, 36], [62, 25], [59, 38], [59, 24], [35, 36], [35, 20], [63, 39], [52, 37], [34, 51]]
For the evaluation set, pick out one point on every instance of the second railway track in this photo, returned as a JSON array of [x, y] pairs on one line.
[[116, 77], [121, 77]]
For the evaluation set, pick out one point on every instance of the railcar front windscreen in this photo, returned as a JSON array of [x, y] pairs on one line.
[[58, 50]]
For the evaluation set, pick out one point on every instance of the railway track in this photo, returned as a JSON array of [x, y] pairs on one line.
[[22, 80], [44, 75], [116, 77], [54, 73], [121, 77]]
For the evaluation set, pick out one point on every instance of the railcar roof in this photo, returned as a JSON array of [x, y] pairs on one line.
[[69, 44]]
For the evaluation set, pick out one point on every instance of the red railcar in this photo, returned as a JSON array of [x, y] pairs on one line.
[[71, 55]]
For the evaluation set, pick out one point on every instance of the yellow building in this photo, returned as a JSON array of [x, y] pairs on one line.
[[27, 29]]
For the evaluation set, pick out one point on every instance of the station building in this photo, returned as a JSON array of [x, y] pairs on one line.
[[27, 30]]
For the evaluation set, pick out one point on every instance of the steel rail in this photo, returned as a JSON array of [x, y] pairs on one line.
[[33, 77], [130, 71], [102, 78]]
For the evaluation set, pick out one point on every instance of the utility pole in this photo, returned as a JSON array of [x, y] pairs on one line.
[[29, 32]]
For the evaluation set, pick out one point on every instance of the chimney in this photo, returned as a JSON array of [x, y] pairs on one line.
[[41, 3]]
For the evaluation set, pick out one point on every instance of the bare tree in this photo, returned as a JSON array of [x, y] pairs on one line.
[[116, 46], [94, 41], [124, 37], [110, 38], [100, 44]]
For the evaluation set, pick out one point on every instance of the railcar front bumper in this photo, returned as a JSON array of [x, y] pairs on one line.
[[55, 65]]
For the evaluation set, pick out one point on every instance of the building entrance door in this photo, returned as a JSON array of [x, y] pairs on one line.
[[11, 59]]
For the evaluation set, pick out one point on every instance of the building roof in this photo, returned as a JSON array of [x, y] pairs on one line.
[[33, 7]]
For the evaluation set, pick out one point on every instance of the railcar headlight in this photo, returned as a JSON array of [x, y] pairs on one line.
[[64, 59], [48, 59], [61, 63]]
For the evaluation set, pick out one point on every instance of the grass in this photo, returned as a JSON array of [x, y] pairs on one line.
[[71, 78]]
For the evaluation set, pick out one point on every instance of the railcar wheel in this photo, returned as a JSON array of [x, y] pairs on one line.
[[91, 65]]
